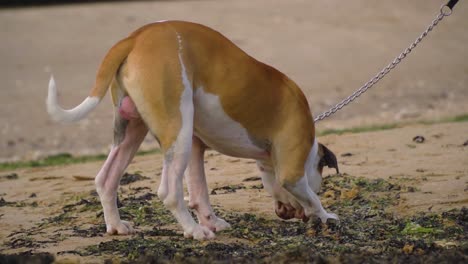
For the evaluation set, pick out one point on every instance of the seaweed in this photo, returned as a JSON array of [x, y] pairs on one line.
[[227, 189], [128, 178], [369, 231], [11, 176], [27, 257]]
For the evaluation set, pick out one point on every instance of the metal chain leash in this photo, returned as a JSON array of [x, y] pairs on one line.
[[445, 10]]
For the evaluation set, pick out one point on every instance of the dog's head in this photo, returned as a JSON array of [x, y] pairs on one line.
[[323, 157], [327, 158]]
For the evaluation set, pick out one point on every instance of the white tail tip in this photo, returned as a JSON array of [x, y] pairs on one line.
[[59, 114]]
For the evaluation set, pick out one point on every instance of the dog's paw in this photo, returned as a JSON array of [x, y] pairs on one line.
[[213, 223], [121, 228], [219, 225], [199, 232], [329, 218]]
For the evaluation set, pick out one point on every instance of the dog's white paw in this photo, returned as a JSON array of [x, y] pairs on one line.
[[199, 232], [330, 218], [213, 223], [219, 224], [121, 228]]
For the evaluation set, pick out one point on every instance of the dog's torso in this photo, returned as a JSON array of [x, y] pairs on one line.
[[220, 132], [242, 107]]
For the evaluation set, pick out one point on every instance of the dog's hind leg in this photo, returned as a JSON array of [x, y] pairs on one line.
[[159, 83], [170, 118], [177, 156], [128, 135], [198, 189], [175, 136]]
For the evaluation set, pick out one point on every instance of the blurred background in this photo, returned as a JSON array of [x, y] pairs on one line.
[[329, 47]]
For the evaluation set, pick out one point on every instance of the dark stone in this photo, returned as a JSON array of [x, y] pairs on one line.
[[419, 139]]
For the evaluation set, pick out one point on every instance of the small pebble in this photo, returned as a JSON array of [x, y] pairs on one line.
[[419, 139]]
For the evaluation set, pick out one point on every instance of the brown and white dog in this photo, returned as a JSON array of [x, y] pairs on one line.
[[194, 89]]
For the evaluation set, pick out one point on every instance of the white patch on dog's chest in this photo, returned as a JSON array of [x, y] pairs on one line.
[[217, 130]]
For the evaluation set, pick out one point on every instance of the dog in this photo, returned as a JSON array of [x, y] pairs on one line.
[[194, 89]]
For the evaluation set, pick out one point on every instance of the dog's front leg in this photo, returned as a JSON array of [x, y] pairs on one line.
[[286, 206], [198, 189], [309, 200]]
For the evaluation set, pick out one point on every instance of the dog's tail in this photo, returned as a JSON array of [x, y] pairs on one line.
[[109, 67]]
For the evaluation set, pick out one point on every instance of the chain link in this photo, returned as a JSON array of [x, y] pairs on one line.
[[444, 11]]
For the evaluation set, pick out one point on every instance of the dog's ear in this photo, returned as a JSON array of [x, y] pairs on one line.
[[327, 158]]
